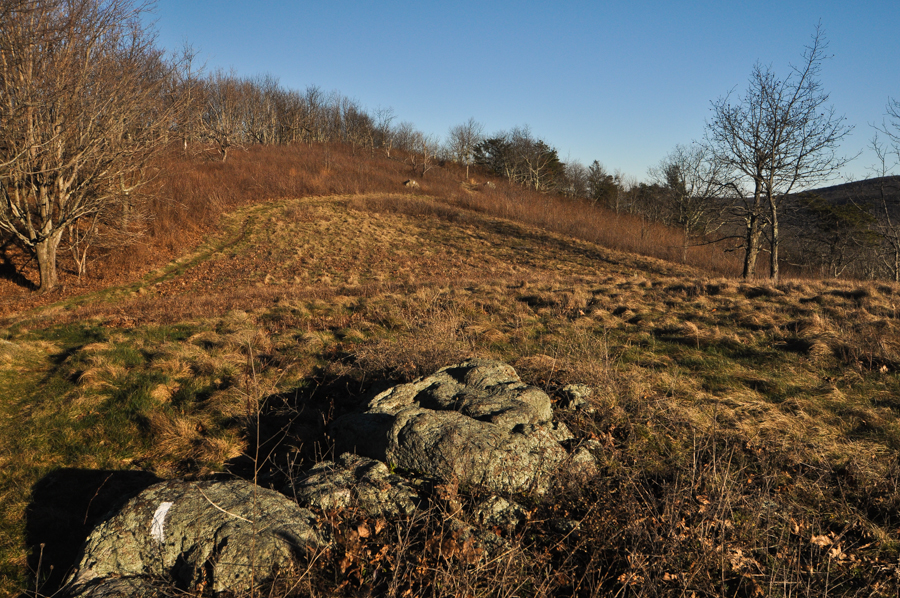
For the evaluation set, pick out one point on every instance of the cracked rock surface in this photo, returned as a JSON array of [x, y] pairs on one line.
[[355, 481], [475, 422], [221, 535]]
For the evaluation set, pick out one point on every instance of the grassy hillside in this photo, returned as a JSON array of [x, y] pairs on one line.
[[750, 432], [188, 195]]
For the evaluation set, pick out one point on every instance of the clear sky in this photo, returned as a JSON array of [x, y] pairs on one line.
[[621, 82]]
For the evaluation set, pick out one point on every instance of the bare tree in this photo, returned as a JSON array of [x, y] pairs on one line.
[[576, 179], [886, 206], [891, 125], [462, 141], [405, 136], [695, 190], [259, 109], [80, 113], [187, 89], [421, 156], [780, 137], [224, 112], [314, 99], [383, 135]]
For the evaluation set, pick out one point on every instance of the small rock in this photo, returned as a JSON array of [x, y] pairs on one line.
[[577, 396], [565, 526], [496, 511]]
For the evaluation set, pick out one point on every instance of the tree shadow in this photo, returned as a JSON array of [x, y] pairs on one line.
[[8, 269], [65, 506]]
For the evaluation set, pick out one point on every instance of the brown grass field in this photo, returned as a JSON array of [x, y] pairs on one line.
[[750, 434]]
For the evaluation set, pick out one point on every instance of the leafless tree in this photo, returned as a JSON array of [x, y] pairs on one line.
[[576, 175], [695, 190], [383, 134], [259, 107], [780, 137], [187, 90], [357, 127], [424, 149], [891, 125], [462, 141], [405, 136], [291, 116], [886, 206], [81, 111], [223, 115]]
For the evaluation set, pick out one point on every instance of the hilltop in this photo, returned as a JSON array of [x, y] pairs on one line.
[[749, 432]]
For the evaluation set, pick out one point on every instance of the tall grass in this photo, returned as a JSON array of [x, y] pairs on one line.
[[191, 191]]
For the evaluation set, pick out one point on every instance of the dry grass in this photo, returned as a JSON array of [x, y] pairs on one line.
[[741, 423], [190, 195]]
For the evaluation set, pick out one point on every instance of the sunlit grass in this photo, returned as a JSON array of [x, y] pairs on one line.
[[738, 420]]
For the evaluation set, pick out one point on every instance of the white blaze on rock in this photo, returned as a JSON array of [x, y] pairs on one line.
[[157, 526]]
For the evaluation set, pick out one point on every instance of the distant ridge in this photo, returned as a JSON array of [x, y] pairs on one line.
[[865, 191]]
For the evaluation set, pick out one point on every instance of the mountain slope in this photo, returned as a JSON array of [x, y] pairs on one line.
[[741, 423]]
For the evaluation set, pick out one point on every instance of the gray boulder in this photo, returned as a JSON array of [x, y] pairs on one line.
[[475, 422], [482, 389], [356, 481], [213, 535]]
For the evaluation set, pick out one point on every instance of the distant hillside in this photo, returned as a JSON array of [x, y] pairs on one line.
[[866, 191]]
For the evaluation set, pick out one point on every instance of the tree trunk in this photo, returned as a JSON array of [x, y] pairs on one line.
[[45, 251], [754, 232], [896, 264], [773, 255]]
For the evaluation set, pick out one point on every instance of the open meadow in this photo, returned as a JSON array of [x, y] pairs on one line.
[[747, 434]]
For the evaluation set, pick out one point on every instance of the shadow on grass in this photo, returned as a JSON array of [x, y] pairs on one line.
[[66, 505], [9, 271], [289, 431]]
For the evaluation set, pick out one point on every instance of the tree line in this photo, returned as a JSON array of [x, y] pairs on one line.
[[87, 100]]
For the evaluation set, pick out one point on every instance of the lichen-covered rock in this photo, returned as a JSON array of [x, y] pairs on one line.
[[577, 397], [219, 535], [496, 511], [476, 423], [360, 482], [482, 389], [451, 446], [123, 587]]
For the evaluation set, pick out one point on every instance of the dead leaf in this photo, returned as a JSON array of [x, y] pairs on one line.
[[380, 524], [821, 541]]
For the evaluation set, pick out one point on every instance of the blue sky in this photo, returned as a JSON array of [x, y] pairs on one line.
[[621, 82]]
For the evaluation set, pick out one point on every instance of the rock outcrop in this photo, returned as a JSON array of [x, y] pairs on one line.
[[217, 535], [357, 482], [471, 424], [475, 422]]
